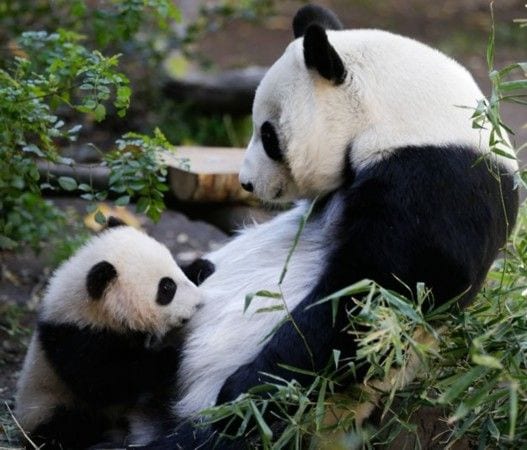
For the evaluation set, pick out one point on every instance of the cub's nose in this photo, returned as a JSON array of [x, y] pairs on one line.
[[248, 186]]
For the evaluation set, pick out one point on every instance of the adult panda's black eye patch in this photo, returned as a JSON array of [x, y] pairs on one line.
[[270, 142], [166, 291]]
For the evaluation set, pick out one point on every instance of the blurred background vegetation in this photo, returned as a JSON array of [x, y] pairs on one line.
[[95, 82], [69, 69]]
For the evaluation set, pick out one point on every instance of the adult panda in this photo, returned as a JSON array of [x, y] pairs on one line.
[[372, 124]]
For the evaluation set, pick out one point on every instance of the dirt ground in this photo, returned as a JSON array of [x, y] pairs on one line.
[[456, 27]]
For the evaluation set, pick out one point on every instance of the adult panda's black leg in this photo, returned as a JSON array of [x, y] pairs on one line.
[[310, 351]]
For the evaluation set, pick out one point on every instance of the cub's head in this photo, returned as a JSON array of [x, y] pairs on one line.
[[339, 97], [121, 279]]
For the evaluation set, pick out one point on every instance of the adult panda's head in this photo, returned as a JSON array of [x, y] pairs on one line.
[[121, 280], [336, 94]]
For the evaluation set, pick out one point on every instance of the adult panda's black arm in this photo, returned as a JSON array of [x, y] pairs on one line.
[[423, 214]]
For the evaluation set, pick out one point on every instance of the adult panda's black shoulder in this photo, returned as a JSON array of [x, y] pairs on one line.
[[372, 124], [95, 364]]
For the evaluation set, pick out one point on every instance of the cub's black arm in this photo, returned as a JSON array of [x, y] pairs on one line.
[[103, 367]]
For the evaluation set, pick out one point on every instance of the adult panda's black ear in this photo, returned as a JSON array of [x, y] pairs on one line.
[[310, 14], [320, 55], [98, 279], [113, 222], [199, 270]]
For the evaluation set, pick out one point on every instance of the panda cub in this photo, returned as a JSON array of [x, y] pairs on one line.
[[96, 366]]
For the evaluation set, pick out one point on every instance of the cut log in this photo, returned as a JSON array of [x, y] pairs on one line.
[[195, 174], [206, 174]]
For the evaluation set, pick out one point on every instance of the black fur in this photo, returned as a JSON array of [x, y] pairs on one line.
[[425, 214], [98, 279], [270, 142], [310, 14], [320, 55], [105, 370], [199, 270], [70, 429], [165, 291], [113, 222]]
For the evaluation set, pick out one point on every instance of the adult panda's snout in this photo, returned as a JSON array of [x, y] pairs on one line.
[[247, 170], [245, 179]]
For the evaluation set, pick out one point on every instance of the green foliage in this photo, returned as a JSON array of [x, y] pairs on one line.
[[194, 128], [32, 88], [106, 23], [213, 15], [503, 88], [137, 171], [51, 83]]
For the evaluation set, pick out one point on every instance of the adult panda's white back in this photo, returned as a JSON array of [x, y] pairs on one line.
[[222, 335]]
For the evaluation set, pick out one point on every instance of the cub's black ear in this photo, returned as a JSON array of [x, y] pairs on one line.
[[98, 279], [310, 14], [199, 271], [114, 222], [320, 55]]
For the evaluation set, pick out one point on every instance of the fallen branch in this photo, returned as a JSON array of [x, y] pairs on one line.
[[94, 175], [231, 91]]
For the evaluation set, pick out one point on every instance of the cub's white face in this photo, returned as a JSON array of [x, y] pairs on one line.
[[395, 92], [136, 284]]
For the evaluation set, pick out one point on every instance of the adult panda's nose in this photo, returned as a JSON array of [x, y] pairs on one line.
[[248, 186]]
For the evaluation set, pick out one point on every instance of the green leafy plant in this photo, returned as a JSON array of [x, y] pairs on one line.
[[32, 88], [137, 171], [51, 84]]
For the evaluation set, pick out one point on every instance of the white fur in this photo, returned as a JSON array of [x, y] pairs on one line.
[[222, 336], [128, 303], [39, 389], [397, 92]]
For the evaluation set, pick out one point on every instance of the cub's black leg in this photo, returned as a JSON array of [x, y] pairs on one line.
[[70, 429]]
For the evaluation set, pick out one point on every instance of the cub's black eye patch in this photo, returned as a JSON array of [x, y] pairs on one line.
[[166, 291], [98, 279], [270, 142]]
